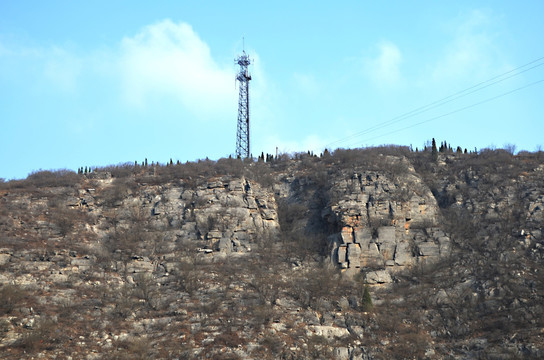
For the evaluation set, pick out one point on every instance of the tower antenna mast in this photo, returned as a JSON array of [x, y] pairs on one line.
[[242, 132]]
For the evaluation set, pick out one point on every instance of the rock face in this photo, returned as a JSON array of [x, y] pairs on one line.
[[375, 222], [223, 213], [380, 223], [348, 256], [384, 223]]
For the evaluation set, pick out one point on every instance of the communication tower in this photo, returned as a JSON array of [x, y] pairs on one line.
[[242, 132]]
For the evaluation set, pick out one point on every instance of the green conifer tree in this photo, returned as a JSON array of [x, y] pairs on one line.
[[366, 301], [434, 150]]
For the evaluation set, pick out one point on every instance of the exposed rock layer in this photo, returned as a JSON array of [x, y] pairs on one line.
[[230, 264]]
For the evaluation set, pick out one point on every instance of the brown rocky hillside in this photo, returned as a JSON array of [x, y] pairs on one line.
[[379, 253]]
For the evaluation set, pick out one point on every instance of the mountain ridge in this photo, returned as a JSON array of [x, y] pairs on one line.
[[243, 259]]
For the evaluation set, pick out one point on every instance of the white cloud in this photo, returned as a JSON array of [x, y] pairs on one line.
[[58, 68], [384, 69], [170, 59], [470, 52]]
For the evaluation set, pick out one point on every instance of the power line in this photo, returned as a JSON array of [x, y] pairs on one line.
[[458, 110], [470, 90]]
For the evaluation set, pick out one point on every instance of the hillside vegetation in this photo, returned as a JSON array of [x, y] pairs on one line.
[[374, 253]]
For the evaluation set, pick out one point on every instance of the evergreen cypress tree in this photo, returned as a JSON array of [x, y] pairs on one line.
[[434, 150], [366, 301]]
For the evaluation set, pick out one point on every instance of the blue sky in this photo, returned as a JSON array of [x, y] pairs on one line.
[[107, 82]]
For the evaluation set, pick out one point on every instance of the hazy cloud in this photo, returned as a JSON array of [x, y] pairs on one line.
[[62, 69], [56, 68], [384, 69], [306, 83], [170, 59], [471, 50]]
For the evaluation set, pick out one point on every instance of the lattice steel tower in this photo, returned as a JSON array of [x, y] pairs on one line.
[[242, 132]]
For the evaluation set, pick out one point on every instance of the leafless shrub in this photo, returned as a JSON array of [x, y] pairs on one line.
[[312, 291], [117, 192], [266, 285], [423, 224], [121, 246], [43, 335], [50, 178], [188, 276], [290, 214], [401, 194], [64, 219], [273, 344], [319, 348], [11, 297], [134, 348], [461, 225], [372, 158], [124, 170], [230, 166], [262, 174], [146, 290], [510, 148], [125, 302], [230, 339]]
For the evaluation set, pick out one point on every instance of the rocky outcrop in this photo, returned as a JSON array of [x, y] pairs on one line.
[[384, 223], [239, 266], [227, 214]]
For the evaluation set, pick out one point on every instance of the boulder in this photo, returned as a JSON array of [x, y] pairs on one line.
[[346, 235], [236, 185], [215, 184], [341, 353], [378, 277], [4, 258], [224, 245], [138, 266], [371, 256], [386, 234], [251, 203], [328, 332], [81, 263], [445, 245], [342, 252], [403, 254], [363, 236], [353, 255], [214, 234], [428, 249]]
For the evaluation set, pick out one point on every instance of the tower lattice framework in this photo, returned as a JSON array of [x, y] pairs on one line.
[[242, 132]]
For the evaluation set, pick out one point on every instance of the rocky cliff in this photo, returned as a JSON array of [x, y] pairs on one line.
[[374, 253]]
